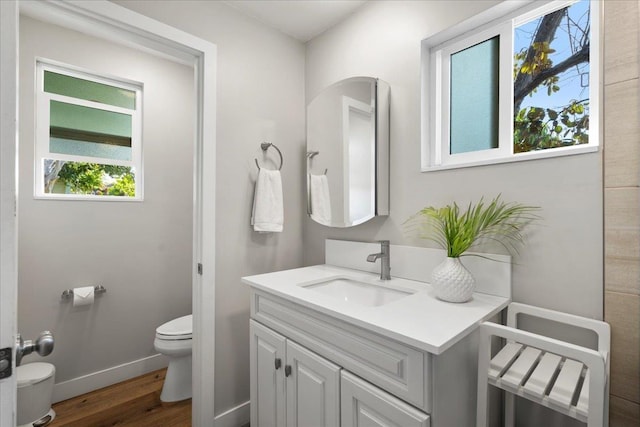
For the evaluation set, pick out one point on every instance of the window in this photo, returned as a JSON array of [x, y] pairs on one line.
[[512, 84], [88, 136]]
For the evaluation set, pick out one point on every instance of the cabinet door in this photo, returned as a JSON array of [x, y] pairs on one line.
[[313, 389], [365, 405], [267, 381]]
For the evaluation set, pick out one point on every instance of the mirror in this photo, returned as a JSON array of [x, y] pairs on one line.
[[348, 152]]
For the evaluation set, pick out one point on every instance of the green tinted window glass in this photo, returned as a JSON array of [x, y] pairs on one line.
[[88, 148], [474, 97], [88, 90], [68, 119]]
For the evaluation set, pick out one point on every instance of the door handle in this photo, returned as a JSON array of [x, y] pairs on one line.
[[278, 363], [43, 346], [287, 370]]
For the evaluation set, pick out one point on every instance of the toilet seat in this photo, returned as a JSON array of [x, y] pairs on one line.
[[176, 329]]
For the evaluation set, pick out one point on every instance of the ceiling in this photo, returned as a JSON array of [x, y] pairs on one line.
[[301, 19]]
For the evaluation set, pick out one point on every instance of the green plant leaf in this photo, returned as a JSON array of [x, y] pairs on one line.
[[457, 231]]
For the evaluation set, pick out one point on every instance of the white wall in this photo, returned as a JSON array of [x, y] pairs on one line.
[[260, 98], [561, 265], [139, 251]]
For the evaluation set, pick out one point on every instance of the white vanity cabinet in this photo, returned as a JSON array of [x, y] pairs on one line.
[[294, 387], [289, 382], [320, 360]]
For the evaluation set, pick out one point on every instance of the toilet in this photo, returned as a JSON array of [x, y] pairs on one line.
[[173, 339], [35, 391]]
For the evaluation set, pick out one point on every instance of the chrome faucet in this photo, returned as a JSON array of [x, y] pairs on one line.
[[385, 263]]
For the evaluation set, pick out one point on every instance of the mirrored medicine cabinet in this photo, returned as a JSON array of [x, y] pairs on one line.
[[348, 152]]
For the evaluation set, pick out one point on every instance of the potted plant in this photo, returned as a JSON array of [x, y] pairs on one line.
[[457, 231]]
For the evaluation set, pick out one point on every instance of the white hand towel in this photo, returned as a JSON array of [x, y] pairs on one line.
[[320, 199], [268, 209]]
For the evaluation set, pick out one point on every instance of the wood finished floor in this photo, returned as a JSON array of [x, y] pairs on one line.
[[135, 402]]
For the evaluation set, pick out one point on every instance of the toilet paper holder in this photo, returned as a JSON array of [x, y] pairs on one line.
[[68, 293]]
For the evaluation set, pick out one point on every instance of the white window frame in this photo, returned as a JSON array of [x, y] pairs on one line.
[[500, 20], [42, 152]]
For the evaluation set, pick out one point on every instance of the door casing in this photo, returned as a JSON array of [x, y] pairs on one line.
[[112, 22]]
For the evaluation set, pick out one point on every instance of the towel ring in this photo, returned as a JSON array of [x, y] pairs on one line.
[[265, 146]]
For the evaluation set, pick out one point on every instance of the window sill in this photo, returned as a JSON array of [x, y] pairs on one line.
[[81, 198], [521, 157]]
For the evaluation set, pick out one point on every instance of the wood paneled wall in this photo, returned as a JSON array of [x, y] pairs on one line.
[[622, 205]]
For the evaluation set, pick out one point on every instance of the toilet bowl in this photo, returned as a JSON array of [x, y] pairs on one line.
[[173, 339], [35, 390]]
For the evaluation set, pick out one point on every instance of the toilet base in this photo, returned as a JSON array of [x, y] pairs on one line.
[[42, 422], [177, 382]]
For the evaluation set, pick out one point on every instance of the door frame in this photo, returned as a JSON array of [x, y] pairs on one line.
[[112, 22]]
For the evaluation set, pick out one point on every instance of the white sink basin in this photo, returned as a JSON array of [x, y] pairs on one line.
[[358, 292]]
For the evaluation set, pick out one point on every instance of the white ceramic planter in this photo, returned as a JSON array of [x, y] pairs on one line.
[[452, 282]]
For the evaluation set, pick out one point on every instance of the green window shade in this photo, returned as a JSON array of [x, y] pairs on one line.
[[77, 122], [90, 91], [474, 97]]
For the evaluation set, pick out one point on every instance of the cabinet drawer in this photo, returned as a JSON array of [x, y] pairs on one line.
[[366, 405], [399, 369]]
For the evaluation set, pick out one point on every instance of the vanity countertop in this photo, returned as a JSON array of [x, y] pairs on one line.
[[419, 320]]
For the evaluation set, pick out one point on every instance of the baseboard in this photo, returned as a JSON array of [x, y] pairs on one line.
[[234, 417], [87, 383]]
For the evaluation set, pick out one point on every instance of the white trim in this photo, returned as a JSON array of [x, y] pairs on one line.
[[8, 194], [89, 104], [75, 158], [118, 24], [235, 417], [75, 387], [434, 90], [520, 157], [109, 21], [87, 197]]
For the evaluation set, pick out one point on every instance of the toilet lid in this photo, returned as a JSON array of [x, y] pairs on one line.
[[180, 328], [33, 373]]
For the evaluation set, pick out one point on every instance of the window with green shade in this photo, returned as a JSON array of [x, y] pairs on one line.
[[88, 138]]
